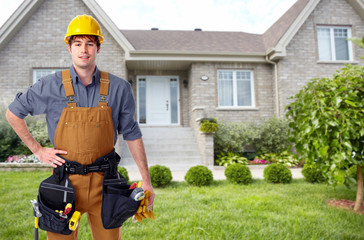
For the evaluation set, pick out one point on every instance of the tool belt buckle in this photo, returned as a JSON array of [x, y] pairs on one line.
[[83, 169]]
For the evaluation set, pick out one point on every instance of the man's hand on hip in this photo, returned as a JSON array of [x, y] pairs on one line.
[[49, 156]]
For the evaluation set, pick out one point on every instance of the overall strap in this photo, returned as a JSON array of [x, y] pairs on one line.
[[68, 88], [104, 88]]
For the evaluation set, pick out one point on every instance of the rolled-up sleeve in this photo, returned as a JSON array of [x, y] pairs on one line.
[[128, 127], [31, 102]]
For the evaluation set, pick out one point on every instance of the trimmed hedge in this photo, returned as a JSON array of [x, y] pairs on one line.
[[277, 173], [199, 176], [160, 176], [238, 173]]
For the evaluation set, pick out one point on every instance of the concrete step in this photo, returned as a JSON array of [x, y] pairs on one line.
[[174, 147]]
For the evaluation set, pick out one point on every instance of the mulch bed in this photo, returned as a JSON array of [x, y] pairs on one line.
[[345, 204]]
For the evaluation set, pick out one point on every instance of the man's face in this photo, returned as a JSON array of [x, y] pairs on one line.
[[83, 51]]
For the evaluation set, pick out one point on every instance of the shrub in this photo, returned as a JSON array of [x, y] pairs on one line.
[[232, 137], [199, 176], [208, 125], [123, 172], [226, 159], [277, 173], [250, 155], [238, 173], [271, 136], [160, 176], [11, 144], [313, 173]]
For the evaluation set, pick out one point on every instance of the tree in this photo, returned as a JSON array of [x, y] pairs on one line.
[[327, 122]]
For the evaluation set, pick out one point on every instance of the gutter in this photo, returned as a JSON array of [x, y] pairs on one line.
[[277, 110]]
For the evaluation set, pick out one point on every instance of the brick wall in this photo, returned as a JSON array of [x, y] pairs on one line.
[[301, 63], [39, 44], [203, 94]]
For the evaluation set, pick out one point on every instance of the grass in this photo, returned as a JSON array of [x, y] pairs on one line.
[[221, 211]]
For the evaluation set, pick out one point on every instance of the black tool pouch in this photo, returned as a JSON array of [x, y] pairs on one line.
[[117, 205], [54, 194]]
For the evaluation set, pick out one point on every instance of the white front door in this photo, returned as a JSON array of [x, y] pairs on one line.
[[158, 100]]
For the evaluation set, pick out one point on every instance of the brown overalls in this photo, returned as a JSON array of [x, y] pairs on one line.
[[86, 134]]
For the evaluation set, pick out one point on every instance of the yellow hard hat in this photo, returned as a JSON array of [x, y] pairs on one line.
[[84, 25]]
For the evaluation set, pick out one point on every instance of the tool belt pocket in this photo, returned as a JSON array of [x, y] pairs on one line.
[[54, 195], [117, 205]]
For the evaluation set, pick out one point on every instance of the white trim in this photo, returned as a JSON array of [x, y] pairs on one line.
[[237, 109], [17, 20]]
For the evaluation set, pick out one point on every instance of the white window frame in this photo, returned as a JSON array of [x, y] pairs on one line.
[[235, 90], [332, 39], [47, 71]]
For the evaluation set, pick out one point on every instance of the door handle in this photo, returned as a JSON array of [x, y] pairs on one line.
[[167, 105]]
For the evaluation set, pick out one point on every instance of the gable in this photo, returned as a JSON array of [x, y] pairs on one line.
[[64, 13]]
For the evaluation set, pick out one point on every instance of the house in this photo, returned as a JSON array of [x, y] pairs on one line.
[[179, 77]]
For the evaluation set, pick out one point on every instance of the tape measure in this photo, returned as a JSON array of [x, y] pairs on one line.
[[75, 219]]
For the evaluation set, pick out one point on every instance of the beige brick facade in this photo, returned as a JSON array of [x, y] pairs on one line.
[[203, 94], [39, 44], [302, 63]]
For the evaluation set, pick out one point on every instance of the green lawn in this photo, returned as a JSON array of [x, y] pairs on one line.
[[221, 211]]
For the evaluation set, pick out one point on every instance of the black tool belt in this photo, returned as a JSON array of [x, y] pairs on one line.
[[105, 163], [57, 190]]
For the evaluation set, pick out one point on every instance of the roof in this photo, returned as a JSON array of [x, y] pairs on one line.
[[200, 41], [280, 27], [160, 40]]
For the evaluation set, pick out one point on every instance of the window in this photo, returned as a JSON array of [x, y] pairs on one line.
[[39, 73], [333, 44], [235, 88]]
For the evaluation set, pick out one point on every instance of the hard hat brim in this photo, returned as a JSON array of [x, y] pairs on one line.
[[101, 37]]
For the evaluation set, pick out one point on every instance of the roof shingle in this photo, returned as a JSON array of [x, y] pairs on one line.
[[200, 41]]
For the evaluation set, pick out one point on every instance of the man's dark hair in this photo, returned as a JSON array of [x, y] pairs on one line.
[[91, 37]]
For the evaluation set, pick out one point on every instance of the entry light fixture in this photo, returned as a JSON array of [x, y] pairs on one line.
[[204, 78], [131, 82], [185, 83]]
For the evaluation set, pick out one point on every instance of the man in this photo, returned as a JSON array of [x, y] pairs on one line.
[[83, 120]]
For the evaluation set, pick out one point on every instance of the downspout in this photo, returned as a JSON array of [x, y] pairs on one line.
[[275, 83]]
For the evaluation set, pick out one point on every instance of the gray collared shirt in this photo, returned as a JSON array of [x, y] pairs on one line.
[[47, 96]]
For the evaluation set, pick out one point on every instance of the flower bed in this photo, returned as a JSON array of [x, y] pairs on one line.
[[23, 163], [258, 162]]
